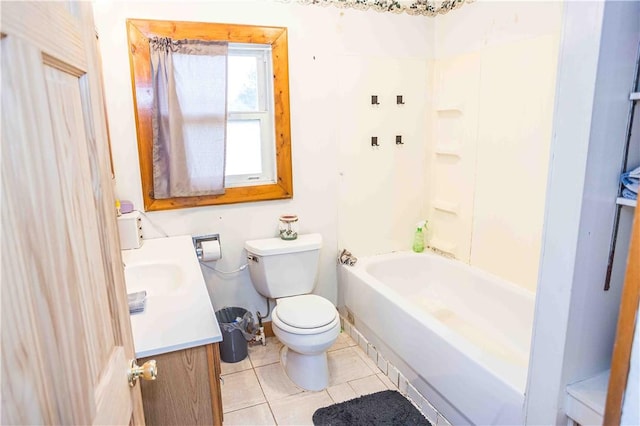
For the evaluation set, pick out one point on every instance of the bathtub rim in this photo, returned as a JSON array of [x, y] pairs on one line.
[[365, 261]]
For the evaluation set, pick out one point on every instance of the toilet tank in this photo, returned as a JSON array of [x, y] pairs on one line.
[[282, 268]]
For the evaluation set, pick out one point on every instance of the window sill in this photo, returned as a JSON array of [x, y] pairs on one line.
[[242, 194]]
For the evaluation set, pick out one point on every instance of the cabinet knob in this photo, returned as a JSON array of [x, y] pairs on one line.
[[147, 371]]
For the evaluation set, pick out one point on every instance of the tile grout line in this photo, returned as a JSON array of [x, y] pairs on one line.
[[364, 356], [273, 416], [253, 369], [416, 404], [244, 408]]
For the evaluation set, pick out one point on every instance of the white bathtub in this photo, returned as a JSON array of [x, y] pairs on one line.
[[460, 336]]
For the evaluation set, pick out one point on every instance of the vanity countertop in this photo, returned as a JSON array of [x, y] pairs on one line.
[[178, 312]]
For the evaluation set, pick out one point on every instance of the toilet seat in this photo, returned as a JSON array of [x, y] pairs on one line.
[[305, 314], [306, 311]]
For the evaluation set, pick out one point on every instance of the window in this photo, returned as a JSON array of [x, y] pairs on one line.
[[250, 134], [258, 157]]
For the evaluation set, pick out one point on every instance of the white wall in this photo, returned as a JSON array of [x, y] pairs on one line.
[[322, 41], [494, 79], [576, 319], [380, 188]]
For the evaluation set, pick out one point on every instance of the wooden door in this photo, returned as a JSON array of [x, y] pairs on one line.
[[627, 319], [66, 334]]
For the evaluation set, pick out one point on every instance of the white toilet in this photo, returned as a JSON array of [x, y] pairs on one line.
[[306, 324]]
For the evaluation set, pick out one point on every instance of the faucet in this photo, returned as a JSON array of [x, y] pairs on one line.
[[346, 258]]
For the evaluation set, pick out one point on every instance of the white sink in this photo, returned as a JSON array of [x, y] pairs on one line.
[[155, 278], [178, 313]]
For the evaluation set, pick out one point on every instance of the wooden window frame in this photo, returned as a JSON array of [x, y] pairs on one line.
[[139, 32]]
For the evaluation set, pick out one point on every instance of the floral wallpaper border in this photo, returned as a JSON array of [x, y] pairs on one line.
[[429, 8]]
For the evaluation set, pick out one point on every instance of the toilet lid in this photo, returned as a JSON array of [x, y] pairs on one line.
[[306, 311]]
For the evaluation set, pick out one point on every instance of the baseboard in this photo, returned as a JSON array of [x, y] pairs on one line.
[[268, 328]]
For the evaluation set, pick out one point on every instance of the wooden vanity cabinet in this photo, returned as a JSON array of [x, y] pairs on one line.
[[187, 390]]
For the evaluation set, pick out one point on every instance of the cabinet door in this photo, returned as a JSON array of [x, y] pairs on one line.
[[66, 336], [189, 390]]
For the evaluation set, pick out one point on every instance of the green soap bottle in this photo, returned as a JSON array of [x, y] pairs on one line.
[[418, 238]]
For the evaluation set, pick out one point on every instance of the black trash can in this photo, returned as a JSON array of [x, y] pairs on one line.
[[233, 347]]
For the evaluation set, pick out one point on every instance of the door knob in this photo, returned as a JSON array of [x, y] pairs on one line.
[[147, 371]]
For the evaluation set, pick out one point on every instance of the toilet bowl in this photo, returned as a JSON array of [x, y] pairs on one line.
[[307, 326]]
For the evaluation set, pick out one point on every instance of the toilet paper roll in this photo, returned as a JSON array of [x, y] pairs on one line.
[[211, 251]]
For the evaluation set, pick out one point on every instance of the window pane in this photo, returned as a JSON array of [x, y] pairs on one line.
[[200, 153], [242, 83], [198, 96], [244, 153]]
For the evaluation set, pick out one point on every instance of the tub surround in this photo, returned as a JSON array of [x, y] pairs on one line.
[[178, 312]]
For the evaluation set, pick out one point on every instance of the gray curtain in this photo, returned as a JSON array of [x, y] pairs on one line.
[[189, 117]]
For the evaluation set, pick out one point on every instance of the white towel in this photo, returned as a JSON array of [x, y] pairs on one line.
[[631, 180]]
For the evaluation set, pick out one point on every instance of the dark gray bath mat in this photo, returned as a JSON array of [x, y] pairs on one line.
[[382, 408]]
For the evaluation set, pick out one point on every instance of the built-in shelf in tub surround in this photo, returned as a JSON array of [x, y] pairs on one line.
[[586, 400], [449, 149], [446, 206], [178, 312], [449, 109]]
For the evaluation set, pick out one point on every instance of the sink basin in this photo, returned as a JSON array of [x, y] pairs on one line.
[[178, 313], [155, 278]]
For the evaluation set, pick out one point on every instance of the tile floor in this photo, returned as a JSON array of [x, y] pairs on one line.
[[257, 391]]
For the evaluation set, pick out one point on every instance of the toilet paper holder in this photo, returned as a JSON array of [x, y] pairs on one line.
[[197, 243]]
